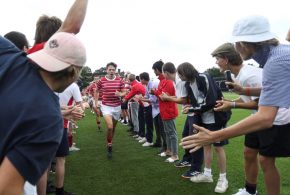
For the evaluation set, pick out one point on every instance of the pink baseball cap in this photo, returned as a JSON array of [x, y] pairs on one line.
[[60, 51]]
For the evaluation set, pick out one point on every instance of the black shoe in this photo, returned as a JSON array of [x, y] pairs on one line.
[[156, 145], [68, 193], [50, 188], [109, 153], [181, 164], [189, 174], [99, 128]]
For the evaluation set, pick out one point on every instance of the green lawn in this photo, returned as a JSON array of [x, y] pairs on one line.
[[138, 170]]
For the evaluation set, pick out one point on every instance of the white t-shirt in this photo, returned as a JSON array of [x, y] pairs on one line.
[[249, 76], [179, 86], [72, 91]]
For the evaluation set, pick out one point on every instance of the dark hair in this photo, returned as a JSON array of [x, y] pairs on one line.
[[18, 38], [138, 78], [187, 71], [169, 67], [158, 65], [132, 77], [144, 76], [45, 27], [111, 64]]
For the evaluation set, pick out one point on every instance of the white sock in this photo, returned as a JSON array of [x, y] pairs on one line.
[[207, 172], [223, 176]]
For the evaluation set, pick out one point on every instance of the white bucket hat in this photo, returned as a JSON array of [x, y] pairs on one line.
[[60, 51], [252, 29]]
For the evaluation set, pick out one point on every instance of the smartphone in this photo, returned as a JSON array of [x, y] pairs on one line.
[[228, 76]]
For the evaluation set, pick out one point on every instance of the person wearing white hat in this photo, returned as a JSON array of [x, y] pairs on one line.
[[253, 40]]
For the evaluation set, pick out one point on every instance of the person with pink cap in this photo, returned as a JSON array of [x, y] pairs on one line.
[[29, 137], [45, 27]]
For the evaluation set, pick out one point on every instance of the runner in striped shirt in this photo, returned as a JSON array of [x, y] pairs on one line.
[[111, 103], [96, 108]]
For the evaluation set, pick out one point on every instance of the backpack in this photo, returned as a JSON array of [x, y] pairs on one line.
[[211, 93]]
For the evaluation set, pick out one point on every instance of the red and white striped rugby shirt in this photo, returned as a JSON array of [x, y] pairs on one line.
[[109, 88]]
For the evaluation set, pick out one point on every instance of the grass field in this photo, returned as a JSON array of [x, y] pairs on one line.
[[138, 170]]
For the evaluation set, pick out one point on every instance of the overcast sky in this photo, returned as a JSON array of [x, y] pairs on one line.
[[136, 33]]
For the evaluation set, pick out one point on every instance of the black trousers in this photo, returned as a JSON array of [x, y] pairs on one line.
[[160, 134]]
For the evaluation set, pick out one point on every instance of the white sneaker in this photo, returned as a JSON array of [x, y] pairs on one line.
[[143, 140], [201, 178], [244, 192], [221, 186], [162, 154], [139, 138], [73, 148], [171, 160], [147, 144], [135, 136]]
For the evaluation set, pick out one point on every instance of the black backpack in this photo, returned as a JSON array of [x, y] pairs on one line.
[[208, 87]]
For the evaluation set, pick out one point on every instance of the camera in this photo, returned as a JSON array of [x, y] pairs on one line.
[[228, 76]]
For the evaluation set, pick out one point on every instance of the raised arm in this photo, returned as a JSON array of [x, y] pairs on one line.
[[75, 17]]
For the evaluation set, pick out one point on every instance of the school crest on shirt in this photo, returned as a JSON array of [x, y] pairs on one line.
[[53, 44]]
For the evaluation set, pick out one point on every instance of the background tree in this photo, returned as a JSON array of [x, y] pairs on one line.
[[214, 72], [86, 77]]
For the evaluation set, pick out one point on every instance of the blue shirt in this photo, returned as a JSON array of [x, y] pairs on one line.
[[30, 118], [276, 75], [153, 99]]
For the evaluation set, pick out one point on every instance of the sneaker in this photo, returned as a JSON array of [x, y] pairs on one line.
[[244, 192], [221, 186], [162, 154], [109, 154], [68, 193], [189, 174], [171, 160], [139, 138], [143, 140], [146, 144], [181, 164], [135, 136], [201, 178], [73, 149]]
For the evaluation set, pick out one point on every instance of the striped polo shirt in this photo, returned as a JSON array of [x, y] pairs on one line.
[[276, 71], [109, 88]]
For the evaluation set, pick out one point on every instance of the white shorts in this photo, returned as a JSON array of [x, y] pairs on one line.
[[110, 110]]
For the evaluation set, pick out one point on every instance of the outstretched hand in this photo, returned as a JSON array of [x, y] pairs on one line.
[[196, 141], [72, 113], [235, 87], [222, 105]]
